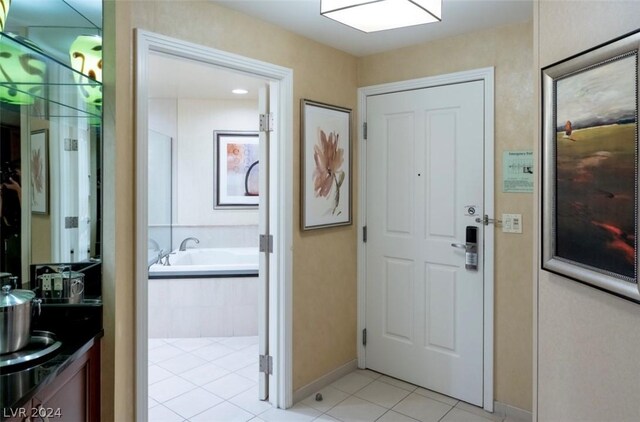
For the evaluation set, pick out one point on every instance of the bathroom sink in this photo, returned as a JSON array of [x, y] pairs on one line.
[[42, 345]]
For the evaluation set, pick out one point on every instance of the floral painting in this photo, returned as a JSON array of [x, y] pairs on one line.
[[326, 158], [39, 162], [590, 167], [237, 158]]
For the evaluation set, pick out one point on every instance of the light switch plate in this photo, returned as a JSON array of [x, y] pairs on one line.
[[512, 223]]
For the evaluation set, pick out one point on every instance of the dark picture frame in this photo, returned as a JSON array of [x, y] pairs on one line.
[[326, 157], [237, 166], [39, 171], [589, 180]]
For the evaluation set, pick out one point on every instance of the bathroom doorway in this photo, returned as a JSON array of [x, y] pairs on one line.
[[215, 267]]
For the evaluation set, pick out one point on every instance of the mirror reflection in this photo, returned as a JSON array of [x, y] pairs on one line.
[[50, 134]]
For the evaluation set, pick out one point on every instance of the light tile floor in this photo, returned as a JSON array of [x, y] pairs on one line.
[[215, 380]]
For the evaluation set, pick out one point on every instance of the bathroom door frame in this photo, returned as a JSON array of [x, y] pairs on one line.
[[280, 206]]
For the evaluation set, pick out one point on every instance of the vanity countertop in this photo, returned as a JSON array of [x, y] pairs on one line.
[[77, 327]]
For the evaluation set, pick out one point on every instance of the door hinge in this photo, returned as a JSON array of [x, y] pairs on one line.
[[70, 144], [364, 337], [266, 364], [364, 234], [364, 130], [266, 243], [71, 222], [266, 122]]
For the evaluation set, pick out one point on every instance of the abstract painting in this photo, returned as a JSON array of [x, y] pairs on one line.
[[590, 174], [237, 177], [326, 165], [39, 167]]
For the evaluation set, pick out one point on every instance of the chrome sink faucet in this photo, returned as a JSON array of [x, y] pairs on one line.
[[183, 244]]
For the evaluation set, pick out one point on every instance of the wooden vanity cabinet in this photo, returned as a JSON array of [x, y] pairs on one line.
[[73, 396]]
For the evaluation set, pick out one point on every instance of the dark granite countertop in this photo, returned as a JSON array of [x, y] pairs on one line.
[[77, 327]]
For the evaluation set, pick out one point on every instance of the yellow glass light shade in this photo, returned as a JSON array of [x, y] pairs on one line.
[[86, 58], [22, 72], [4, 11], [379, 15]]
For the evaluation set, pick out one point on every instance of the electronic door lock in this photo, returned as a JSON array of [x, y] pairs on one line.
[[470, 248]]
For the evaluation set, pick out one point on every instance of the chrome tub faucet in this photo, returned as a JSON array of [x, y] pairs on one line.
[[183, 244]]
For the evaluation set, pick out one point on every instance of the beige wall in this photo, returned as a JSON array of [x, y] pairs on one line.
[[324, 273], [587, 340], [509, 50]]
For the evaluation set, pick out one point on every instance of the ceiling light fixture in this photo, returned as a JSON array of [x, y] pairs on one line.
[[86, 59], [379, 15], [240, 91], [23, 70], [4, 11]]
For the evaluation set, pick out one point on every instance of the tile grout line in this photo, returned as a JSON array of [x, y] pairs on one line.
[[445, 415], [201, 387]]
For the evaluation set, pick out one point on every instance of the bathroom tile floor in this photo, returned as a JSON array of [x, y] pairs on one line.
[[216, 379]]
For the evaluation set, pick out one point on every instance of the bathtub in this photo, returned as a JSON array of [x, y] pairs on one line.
[[208, 262]]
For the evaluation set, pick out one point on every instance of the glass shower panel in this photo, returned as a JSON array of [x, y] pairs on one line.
[[160, 199]]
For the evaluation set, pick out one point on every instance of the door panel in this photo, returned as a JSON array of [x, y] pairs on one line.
[[398, 184], [424, 310], [263, 228], [440, 320], [399, 291], [441, 152]]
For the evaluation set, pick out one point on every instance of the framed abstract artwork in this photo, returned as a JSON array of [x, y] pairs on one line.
[[39, 167], [325, 165], [237, 169], [590, 167]]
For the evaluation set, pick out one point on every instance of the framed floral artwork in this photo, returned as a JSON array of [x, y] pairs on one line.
[[237, 167], [326, 165], [590, 167], [39, 161]]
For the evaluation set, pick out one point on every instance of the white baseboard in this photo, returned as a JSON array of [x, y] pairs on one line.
[[513, 414], [323, 381]]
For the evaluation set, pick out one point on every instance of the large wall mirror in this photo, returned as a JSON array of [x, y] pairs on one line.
[[50, 134]]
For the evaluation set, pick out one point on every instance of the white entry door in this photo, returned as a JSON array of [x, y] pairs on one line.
[[424, 309]]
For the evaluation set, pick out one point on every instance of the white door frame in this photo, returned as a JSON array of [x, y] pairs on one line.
[[487, 76], [281, 159]]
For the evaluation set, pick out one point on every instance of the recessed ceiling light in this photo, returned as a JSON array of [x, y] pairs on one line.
[[240, 91]]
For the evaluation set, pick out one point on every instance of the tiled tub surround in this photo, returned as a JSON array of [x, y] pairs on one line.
[[243, 236], [203, 307]]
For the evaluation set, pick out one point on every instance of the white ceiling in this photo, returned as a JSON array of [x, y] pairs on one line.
[[458, 17], [53, 24], [204, 81]]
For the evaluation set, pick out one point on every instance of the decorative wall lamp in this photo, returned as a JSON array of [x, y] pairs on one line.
[[4, 11], [86, 59], [22, 70], [379, 15]]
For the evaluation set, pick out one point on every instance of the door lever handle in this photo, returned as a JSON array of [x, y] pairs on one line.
[[459, 245]]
